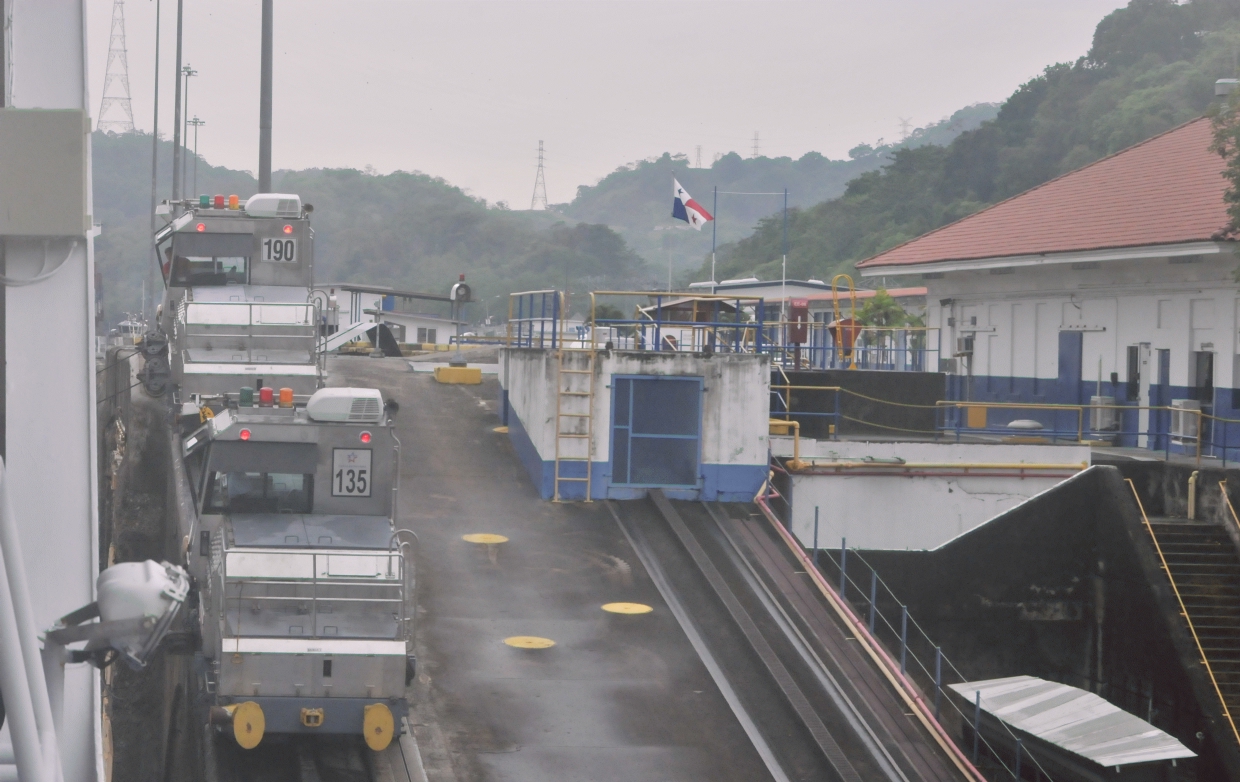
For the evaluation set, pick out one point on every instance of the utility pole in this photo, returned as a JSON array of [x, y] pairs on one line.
[[197, 123], [116, 76], [176, 114], [540, 184], [264, 104], [188, 71], [150, 273], [755, 144]]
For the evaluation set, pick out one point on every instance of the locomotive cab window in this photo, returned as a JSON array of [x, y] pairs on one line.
[[203, 259], [259, 492]]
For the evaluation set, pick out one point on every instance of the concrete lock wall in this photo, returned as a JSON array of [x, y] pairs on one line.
[[733, 446], [915, 508]]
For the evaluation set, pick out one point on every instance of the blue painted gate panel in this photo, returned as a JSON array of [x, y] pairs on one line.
[[656, 430]]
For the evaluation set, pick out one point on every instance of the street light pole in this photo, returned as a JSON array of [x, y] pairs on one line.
[[197, 123], [188, 71]]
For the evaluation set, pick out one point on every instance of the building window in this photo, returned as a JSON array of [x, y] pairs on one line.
[[426, 336]]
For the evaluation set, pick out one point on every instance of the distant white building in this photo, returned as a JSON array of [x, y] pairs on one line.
[[1116, 280]]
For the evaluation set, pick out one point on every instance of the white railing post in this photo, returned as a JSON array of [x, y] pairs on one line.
[[21, 664]]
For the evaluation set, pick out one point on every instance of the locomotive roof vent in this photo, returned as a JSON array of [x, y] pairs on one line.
[[287, 205], [346, 405]]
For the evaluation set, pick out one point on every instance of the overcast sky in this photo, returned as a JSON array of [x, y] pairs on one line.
[[465, 90]]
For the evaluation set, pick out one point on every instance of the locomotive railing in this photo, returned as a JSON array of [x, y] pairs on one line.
[[274, 323], [260, 582]]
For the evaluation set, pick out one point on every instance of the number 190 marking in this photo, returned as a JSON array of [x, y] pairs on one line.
[[280, 250]]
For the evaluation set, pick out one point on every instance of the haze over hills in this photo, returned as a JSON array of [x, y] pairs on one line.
[[635, 199], [415, 231], [406, 230], [1152, 66]]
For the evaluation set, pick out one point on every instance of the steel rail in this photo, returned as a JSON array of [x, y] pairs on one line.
[[903, 686], [804, 650], [650, 561], [1184, 610], [827, 744]]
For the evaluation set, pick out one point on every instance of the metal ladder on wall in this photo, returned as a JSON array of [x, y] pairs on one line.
[[574, 404]]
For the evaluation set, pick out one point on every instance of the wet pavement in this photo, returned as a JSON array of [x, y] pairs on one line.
[[617, 697]]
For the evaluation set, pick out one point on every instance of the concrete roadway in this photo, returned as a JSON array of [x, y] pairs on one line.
[[617, 699]]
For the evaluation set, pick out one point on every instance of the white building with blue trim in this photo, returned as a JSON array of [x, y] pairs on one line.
[[1118, 280]]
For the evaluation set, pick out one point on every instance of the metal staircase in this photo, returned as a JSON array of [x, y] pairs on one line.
[[1205, 568], [574, 416]]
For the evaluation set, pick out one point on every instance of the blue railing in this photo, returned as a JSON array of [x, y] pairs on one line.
[[676, 322], [535, 319]]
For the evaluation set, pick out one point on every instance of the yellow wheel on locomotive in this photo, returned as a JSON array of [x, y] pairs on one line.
[[378, 726], [248, 723]]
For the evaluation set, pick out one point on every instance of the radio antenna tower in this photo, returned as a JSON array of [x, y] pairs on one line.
[[115, 111], [539, 201], [755, 143]]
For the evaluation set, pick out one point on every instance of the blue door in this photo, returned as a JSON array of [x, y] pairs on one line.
[[1071, 344], [656, 431]]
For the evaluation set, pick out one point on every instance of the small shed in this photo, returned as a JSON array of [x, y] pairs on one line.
[[1068, 733]]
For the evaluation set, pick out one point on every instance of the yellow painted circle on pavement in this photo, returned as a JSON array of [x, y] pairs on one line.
[[627, 608], [483, 537], [249, 724], [529, 642]]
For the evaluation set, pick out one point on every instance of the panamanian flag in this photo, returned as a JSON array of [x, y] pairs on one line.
[[685, 208]]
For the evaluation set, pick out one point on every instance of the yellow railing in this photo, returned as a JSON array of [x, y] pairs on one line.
[[1183, 609]]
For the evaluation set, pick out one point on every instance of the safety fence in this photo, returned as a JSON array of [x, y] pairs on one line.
[[825, 345], [313, 594], [1172, 430], [876, 612], [708, 323]]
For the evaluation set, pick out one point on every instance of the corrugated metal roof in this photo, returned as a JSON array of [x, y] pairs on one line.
[[1074, 720]]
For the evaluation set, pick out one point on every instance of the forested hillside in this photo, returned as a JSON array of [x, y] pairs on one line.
[[1152, 66], [406, 230], [635, 200]]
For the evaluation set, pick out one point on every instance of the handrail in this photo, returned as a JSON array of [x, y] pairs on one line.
[[1184, 610], [903, 686], [796, 462], [1232, 525]]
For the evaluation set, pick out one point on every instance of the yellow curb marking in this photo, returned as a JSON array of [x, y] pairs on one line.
[[627, 608], [484, 537], [529, 642]]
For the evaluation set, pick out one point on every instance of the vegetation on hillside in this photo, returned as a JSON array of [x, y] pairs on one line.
[[635, 199], [405, 230], [1152, 66]]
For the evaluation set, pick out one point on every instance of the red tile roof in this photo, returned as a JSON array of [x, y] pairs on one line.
[[1166, 190]]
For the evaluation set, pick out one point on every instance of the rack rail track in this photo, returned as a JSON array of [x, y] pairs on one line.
[[804, 691]]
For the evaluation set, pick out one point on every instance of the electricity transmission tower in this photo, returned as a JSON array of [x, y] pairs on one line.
[[905, 124], [115, 111], [755, 144], [699, 156], [539, 201]]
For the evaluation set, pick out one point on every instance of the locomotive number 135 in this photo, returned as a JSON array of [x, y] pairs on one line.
[[351, 476]]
